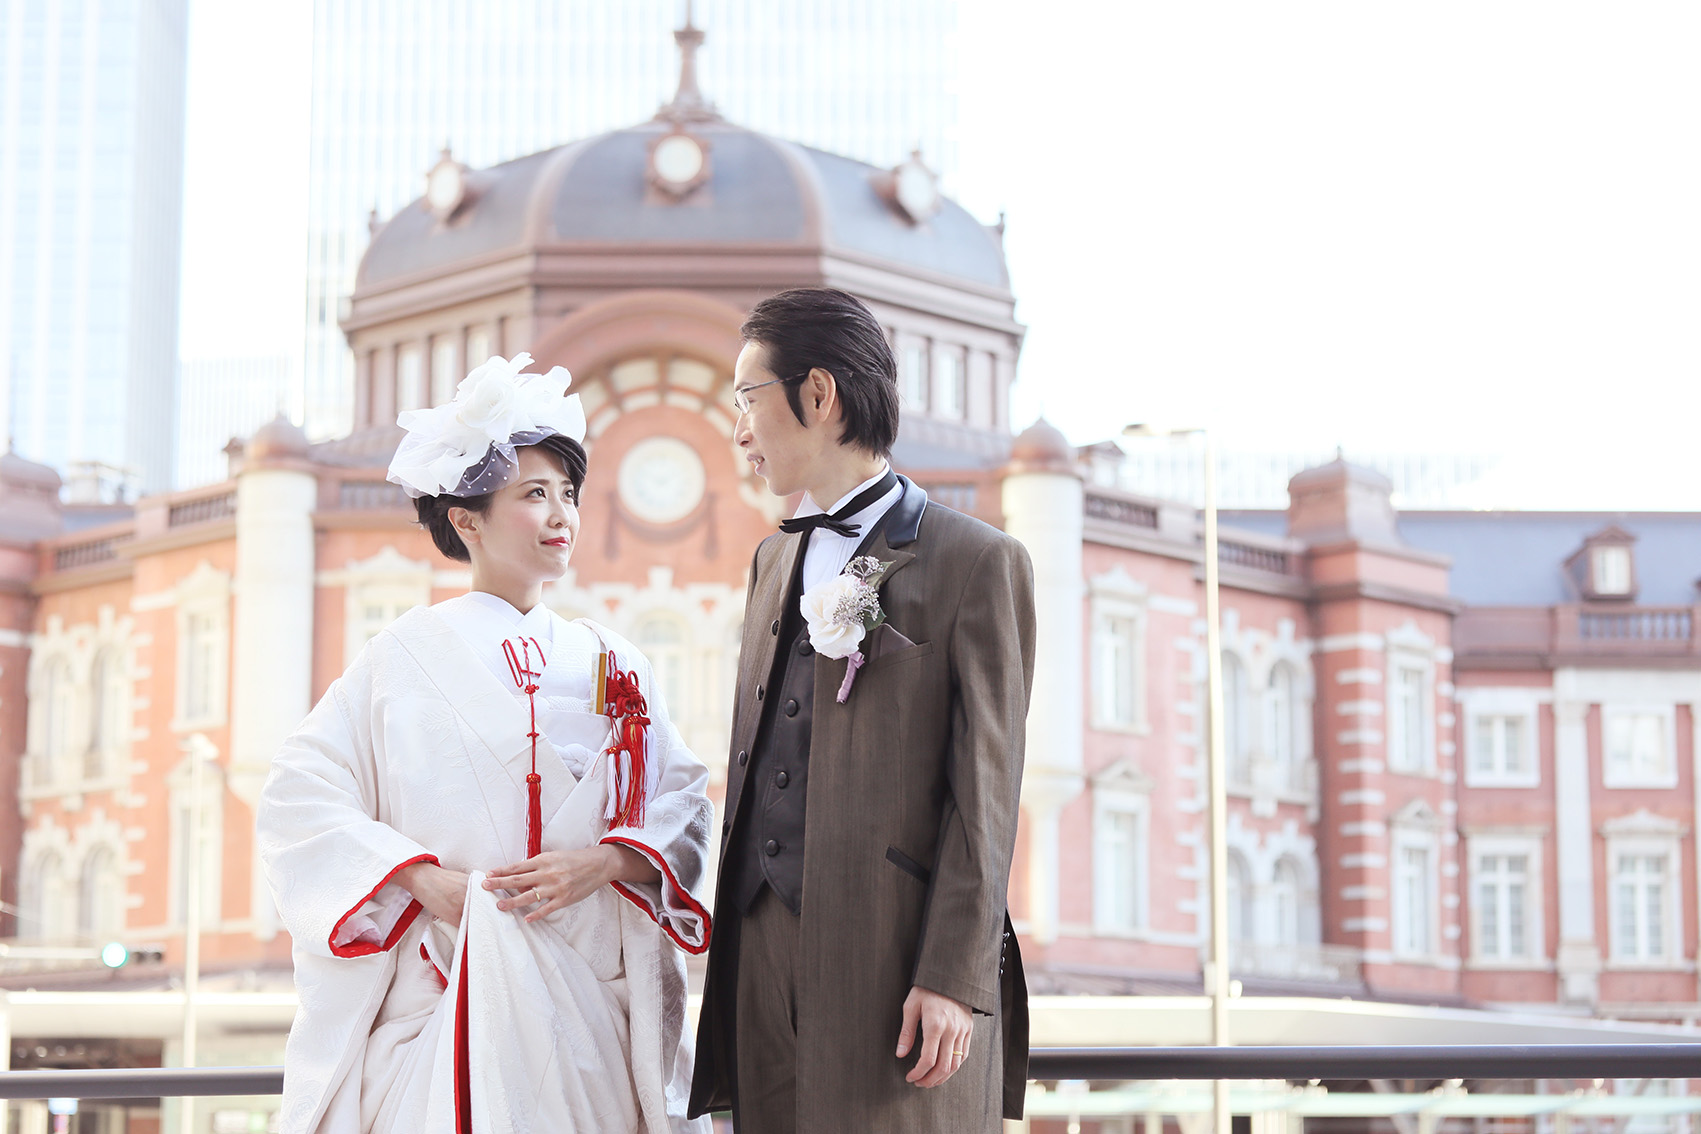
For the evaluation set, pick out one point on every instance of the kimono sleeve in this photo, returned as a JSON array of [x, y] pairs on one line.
[[328, 858], [674, 837]]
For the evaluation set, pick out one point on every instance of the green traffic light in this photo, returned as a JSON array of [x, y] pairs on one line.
[[113, 955]]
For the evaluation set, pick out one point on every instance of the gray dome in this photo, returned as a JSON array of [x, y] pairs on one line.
[[761, 191]]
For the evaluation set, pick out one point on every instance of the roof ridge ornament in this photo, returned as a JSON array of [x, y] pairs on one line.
[[688, 103]]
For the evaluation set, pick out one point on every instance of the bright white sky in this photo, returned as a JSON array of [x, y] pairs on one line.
[[1447, 227]]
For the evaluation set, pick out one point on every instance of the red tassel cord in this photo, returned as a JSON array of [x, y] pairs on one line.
[[628, 712], [525, 678]]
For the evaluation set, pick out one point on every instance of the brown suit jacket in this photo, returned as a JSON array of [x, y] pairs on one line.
[[914, 787]]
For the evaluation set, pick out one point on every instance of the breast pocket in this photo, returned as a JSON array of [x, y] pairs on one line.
[[899, 657]]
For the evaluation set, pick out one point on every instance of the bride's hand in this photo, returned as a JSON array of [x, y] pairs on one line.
[[442, 892], [555, 880]]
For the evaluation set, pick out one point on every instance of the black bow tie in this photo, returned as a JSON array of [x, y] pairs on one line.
[[836, 522]]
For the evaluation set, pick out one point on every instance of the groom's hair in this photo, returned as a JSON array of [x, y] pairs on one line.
[[811, 327]]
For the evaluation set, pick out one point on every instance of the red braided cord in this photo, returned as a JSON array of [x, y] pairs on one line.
[[525, 677], [629, 713]]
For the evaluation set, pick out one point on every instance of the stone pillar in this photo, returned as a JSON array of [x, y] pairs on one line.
[[1579, 960], [271, 682], [1043, 509]]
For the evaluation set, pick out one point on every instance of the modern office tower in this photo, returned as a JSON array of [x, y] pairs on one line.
[[395, 81], [224, 398], [91, 199]]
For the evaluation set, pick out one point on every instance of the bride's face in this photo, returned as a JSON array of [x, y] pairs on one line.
[[527, 532]]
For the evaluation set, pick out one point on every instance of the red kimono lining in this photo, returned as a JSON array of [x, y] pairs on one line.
[[684, 895], [367, 948]]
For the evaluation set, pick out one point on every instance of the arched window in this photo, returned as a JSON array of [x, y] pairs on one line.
[[663, 638], [58, 736], [48, 911], [1241, 924], [100, 914], [1236, 714], [1282, 721], [1285, 899], [107, 715]]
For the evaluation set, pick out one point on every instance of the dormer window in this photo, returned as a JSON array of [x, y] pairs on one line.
[[1612, 570], [1604, 568]]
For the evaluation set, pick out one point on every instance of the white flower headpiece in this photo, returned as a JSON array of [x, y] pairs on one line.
[[466, 447]]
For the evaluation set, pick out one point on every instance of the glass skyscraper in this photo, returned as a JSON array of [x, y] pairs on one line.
[[91, 172], [394, 81]]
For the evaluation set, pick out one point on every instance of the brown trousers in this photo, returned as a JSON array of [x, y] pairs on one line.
[[765, 1100]]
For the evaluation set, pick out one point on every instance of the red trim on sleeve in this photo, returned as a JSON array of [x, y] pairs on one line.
[[686, 899], [367, 948]]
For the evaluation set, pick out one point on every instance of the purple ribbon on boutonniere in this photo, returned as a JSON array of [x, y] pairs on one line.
[[852, 664]]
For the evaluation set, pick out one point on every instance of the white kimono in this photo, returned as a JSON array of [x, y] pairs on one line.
[[419, 753]]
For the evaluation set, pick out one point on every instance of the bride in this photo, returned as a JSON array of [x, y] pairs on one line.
[[487, 841]]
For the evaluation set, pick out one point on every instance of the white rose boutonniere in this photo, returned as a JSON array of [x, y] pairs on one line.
[[841, 611]]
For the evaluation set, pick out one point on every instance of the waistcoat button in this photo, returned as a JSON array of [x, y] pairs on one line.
[[804, 649], [743, 759], [781, 779], [759, 692], [775, 628], [770, 848], [791, 707]]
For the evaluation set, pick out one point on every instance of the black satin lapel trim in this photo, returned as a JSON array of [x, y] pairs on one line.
[[902, 522]]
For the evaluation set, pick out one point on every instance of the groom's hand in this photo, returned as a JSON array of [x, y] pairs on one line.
[[946, 1028]]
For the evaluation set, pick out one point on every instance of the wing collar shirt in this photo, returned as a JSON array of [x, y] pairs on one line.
[[828, 552]]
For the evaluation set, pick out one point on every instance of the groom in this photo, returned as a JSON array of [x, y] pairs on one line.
[[863, 975]]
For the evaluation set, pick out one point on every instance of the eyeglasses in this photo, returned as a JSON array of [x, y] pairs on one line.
[[741, 402]]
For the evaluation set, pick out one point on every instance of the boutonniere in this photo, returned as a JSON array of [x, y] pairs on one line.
[[841, 611]]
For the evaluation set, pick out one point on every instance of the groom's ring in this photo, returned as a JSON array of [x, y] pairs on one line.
[[957, 1053]]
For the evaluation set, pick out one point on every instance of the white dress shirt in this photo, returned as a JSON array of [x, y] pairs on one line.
[[827, 552]]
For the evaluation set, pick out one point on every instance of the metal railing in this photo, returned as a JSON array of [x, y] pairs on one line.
[[1121, 1064]]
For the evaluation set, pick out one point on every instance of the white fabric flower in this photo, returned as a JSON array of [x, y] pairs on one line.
[[496, 409], [824, 607]]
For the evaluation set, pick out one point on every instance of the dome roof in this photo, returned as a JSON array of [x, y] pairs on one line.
[[1041, 443], [759, 190], [278, 438]]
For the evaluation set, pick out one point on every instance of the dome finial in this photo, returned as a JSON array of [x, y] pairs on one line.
[[688, 103]]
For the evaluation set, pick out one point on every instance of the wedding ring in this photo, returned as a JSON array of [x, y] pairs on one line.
[[957, 1053], [537, 898]]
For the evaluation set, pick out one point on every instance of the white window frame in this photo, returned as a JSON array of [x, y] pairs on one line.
[[1477, 704], [1116, 596], [1645, 835], [1610, 563], [205, 592], [1292, 765], [413, 383], [1239, 739], [445, 374], [669, 661], [1137, 806], [1421, 763], [1616, 776], [180, 785], [1528, 847], [950, 382], [1400, 943], [914, 373]]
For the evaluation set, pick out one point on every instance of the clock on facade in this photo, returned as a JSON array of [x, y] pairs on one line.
[[679, 162], [661, 480], [446, 185]]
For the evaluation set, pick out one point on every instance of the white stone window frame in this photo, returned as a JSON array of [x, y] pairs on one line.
[[1525, 704], [1122, 799], [1613, 777], [1502, 844], [1117, 595], [949, 386], [915, 372], [205, 592], [1415, 836], [1404, 656], [389, 579], [1646, 834], [179, 784]]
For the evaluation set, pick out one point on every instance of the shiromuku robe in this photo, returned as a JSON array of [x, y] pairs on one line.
[[419, 753]]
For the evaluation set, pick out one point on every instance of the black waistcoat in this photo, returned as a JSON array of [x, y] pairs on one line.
[[766, 843]]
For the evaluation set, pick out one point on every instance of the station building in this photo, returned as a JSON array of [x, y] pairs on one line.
[[1462, 747]]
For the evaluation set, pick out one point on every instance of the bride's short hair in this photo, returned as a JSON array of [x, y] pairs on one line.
[[433, 511]]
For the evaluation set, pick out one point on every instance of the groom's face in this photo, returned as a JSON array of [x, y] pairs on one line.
[[783, 449]]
